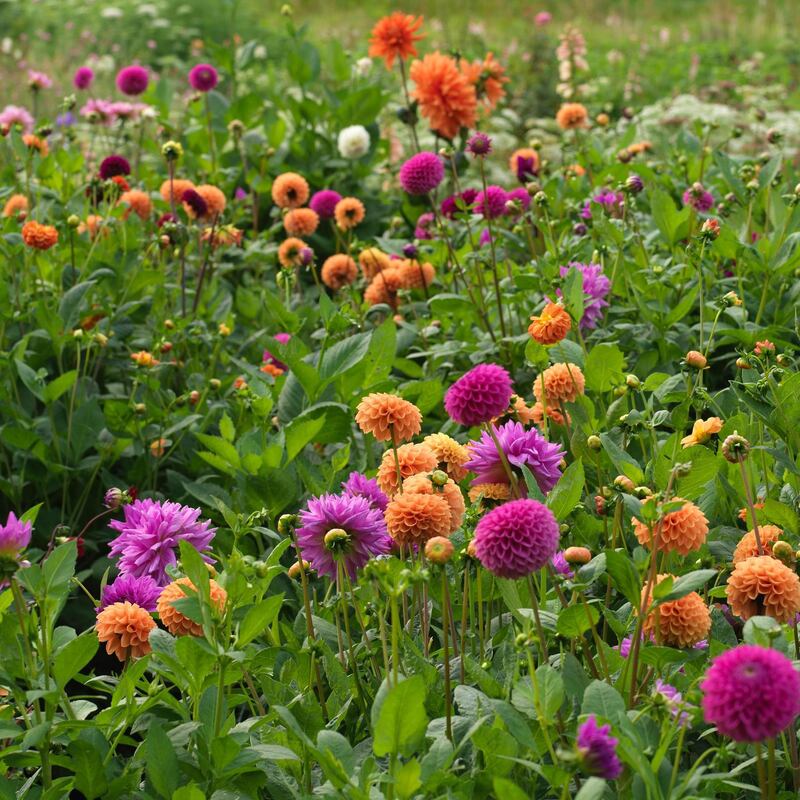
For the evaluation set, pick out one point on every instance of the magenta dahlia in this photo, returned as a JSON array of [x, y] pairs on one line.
[[114, 165], [141, 590], [479, 395], [83, 78], [597, 751], [132, 80], [596, 287], [458, 203], [359, 485], [203, 77], [324, 203], [422, 173], [492, 202]]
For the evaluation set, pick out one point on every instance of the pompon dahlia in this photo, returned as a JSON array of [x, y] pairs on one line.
[[132, 80], [516, 538], [521, 447], [421, 173], [344, 528], [114, 165], [491, 203], [338, 270], [388, 417], [597, 750], [83, 77], [683, 530], [412, 519], [446, 97], [422, 483], [415, 274], [290, 252], [499, 492], [748, 547], [562, 384], [452, 455], [372, 261], [203, 77], [16, 206], [479, 395], [751, 693], [394, 36], [359, 485], [125, 630], [383, 288], [38, 236], [301, 222], [348, 213], [762, 585], [174, 190], [524, 163], [572, 115], [698, 198], [551, 326], [324, 203], [142, 591], [596, 287], [290, 190], [413, 458], [137, 202], [173, 620], [150, 533], [193, 204], [677, 623], [460, 203]]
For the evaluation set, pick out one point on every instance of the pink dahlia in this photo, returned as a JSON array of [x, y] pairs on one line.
[[324, 203], [150, 533], [17, 115], [132, 80], [359, 485], [422, 173], [596, 287], [141, 590], [520, 194], [597, 750], [516, 538], [480, 395], [751, 693], [492, 202], [458, 203], [203, 77], [83, 78], [698, 198]]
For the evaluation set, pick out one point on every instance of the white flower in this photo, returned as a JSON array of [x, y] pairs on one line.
[[112, 12], [353, 141], [362, 67]]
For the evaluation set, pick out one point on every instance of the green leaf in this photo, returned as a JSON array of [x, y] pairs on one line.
[[603, 700], [57, 387], [603, 369], [69, 307], [567, 492], [575, 620], [300, 432], [508, 790], [259, 618], [625, 575], [593, 789], [221, 447], [625, 463], [189, 792], [59, 567], [73, 657], [398, 718], [343, 355], [407, 779], [32, 381], [161, 763], [690, 582], [226, 428], [87, 763], [666, 216], [765, 632]]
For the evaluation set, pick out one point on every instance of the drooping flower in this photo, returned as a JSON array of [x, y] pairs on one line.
[[290, 190], [597, 750], [177, 623], [203, 77], [142, 591], [421, 173], [125, 629], [562, 384], [348, 213], [83, 78], [150, 533], [413, 458], [353, 141], [751, 693], [747, 546], [677, 623], [551, 325], [516, 538], [479, 395], [596, 287], [132, 80], [572, 115], [388, 417], [682, 531], [359, 485], [395, 36], [338, 270], [364, 528], [446, 97], [15, 536], [114, 165], [324, 203], [521, 447], [762, 585]]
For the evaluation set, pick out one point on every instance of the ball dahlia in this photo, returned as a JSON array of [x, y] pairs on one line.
[[324, 203], [683, 530], [762, 585], [422, 483], [125, 630], [172, 619], [413, 458], [563, 383], [748, 547], [338, 270], [677, 623], [290, 190], [412, 519], [388, 417], [451, 454], [479, 395], [421, 173]]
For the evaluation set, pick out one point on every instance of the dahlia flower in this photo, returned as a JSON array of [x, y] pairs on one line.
[[143, 591], [421, 173], [353, 141], [596, 287], [359, 485], [479, 395], [597, 750]]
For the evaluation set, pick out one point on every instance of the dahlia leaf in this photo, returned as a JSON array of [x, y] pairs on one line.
[[398, 717], [567, 492]]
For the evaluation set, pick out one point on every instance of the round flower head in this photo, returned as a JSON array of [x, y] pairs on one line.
[[524, 163], [426, 483], [83, 78], [451, 455], [324, 203], [572, 115], [517, 200], [353, 141], [384, 288], [492, 202], [479, 145], [446, 97], [683, 530], [439, 550], [678, 623], [364, 531], [698, 198], [16, 116], [394, 36], [748, 547], [521, 447], [112, 166], [132, 80], [479, 395], [172, 619], [499, 492], [359, 485], [290, 190], [388, 417], [338, 270], [516, 538], [597, 750], [562, 384], [751, 693], [39, 237], [372, 261], [551, 326], [214, 199], [15, 536], [142, 591], [16, 206], [290, 252], [413, 458], [422, 173], [150, 533], [416, 275], [194, 204], [595, 289], [301, 222], [762, 585], [412, 519], [348, 213], [125, 630], [203, 77], [138, 202], [175, 189]]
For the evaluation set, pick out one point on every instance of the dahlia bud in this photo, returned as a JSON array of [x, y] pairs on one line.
[[439, 477], [624, 484], [742, 363], [113, 498], [580, 229], [632, 381], [577, 555], [224, 330], [624, 156], [101, 339], [594, 443], [710, 229], [696, 360], [215, 384], [77, 333], [536, 144], [471, 549], [336, 539], [602, 120], [783, 551], [73, 220], [171, 150], [774, 136], [194, 397], [600, 505], [287, 524], [682, 469], [236, 128], [438, 550], [286, 10], [628, 112], [410, 250], [620, 391], [735, 448], [541, 200], [296, 568], [634, 184], [533, 187], [140, 408], [731, 299], [643, 491]]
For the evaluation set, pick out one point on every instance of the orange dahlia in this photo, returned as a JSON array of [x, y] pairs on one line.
[[415, 275], [93, 224], [562, 384], [702, 431], [125, 629], [214, 198], [384, 288], [747, 546], [762, 585], [450, 454], [35, 143], [290, 190], [348, 213], [138, 202], [388, 417], [394, 37], [412, 519], [421, 483], [489, 491], [488, 77], [537, 415], [301, 222], [16, 206], [683, 530], [446, 97], [178, 186], [223, 236], [551, 326], [413, 458], [290, 252], [373, 261], [572, 115], [172, 619], [338, 270], [40, 237], [678, 623]]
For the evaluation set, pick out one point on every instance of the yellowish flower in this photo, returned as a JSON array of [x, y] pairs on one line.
[[702, 431]]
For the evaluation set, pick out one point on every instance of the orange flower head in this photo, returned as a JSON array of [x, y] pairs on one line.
[[290, 252], [125, 630], [348, 213], [762, 585], [574, 170], [640, 147], [271, 369], [373, 261], [35, 143], [682, 531], [172, 619], [222, 236], [214, 198], [158, 447], [40, 237], [178, 187], [446, 97], [450, 454], [744, 513], [488, 77], [388, 417], [702, 431], [93, 225], [415, 275], [526, 153], [678, 623], [290, 190], [384, 288], [394, 37], [562, 384], [413, 458], [338, 270], [16, 206], [138, 202], [421, 483], [572, 115], [748, 547], [551, 326], [537, 415], [489, 491], [144, 358], [412, 519], [301, 222]]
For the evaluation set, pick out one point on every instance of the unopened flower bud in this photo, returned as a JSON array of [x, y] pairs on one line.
[[632, 381], [73, 220], [783, 551], [438, 550], [336, 539], [594, 443], [286, 524], [113, 498], [171, 150], [735, 448], [634, 184], [439, 477], [696, 360], [295, 569], [624, 484], [577, 555]]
